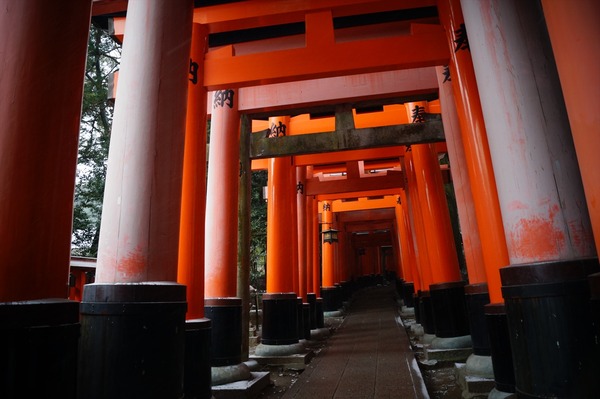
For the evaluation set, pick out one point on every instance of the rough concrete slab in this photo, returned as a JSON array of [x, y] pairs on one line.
[[246, 389], [292, 362], [447, 355]]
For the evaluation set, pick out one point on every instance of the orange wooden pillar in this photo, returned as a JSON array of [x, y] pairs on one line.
[[541, 197], [460, 180], [222, 197], [139, 238], [329, 292], [41, 86], [310, 237], [406, 251], [280, 305], [327, 248], [411, 279], [221, 303], [301, 258], [279, 213], [434, 208], [475, 142], [476, 292], [574, 32], [316, 242], [315, 271], [417, 225], [190, 270]]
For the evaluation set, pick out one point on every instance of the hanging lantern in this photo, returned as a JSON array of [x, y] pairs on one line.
[[330, 236]]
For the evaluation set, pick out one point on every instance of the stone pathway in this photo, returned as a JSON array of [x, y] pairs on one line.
[[369, 356]]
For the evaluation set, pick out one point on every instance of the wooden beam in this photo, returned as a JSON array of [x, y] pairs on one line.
[[363, 204], [350, 139], [368, 226], [392, 180], [318, 59], [373, 215], [371, 239], [375, 193], [259, 13]]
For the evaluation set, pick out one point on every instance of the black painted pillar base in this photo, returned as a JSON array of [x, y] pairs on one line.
[[331, 298], [548, 312], [319, 313], [449, 309], [426, 312], [226, 332], [502, 360], [280, 319], [311, 298], [305, 321], [400, 288], [476, 297], [38, 348], [408, 289], [197, 371], [132, 341], [416, 302]]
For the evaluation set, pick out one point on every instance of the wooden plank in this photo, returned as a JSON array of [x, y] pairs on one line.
[[393, 180], [347, 139]]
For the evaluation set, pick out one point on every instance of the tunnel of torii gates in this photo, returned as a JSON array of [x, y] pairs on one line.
[[351, 105]]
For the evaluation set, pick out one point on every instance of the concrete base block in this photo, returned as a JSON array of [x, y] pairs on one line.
[[480, 366], [462, 342], [334, 313], [473, 387], [252, 365], [407, 312], [447, 355], [247, 389], [496, 394], [293, 357], [319, 334], [279, 350], [417, 329], [228, 374], [427, 339]]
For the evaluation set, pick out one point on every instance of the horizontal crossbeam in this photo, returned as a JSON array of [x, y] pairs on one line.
[[346, 139]]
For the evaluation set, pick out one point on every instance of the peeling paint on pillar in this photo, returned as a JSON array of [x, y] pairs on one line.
[[539, 186]]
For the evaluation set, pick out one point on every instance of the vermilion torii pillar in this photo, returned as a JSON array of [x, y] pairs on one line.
[[479, 363], [139, 237], [460, 180], [446, 288], [43, 51], [222, 305], [578, 67], [190, 270], [545, 217], [280, 305], [406, 260], [475, 142], [329, 291]]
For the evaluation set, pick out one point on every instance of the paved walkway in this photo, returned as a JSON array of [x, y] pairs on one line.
[[369, 356]]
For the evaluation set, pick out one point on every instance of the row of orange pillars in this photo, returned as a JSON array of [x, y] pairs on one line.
[[142, 326]]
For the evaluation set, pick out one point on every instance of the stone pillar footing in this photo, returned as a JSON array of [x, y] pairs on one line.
[[496, 394], [279, 350], [480, 366], [228, 374], [319, 334], [461, 342]]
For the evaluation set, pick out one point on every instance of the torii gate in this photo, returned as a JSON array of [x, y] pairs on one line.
[[515, 201]]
